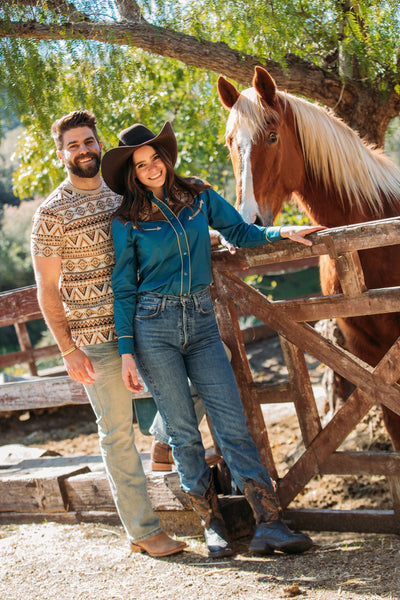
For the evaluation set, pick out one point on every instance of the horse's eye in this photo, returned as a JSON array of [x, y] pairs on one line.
[[272, 137]]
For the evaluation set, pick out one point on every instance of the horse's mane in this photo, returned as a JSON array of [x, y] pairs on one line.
[[333, 153]]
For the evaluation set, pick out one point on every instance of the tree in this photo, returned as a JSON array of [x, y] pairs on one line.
[[341, 53]]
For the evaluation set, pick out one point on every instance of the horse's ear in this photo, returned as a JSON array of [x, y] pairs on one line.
[[227, 92], [264, 85]]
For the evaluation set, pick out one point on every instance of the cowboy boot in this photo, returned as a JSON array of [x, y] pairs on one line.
[[271, 531], [215, 533], [161, 456]]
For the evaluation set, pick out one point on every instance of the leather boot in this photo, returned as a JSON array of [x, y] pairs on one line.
[[271, 531], [161, 456], [215, 533]]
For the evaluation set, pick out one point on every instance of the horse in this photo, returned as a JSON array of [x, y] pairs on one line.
[[285, 148]]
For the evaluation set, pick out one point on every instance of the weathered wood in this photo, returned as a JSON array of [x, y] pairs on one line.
[[33, 486], [325, 307], [301, 392], [25, 344], [33, 354], [335, 432], [362, 463], [394, 485], [349, 269], [19, 306], [306, 338], [365, 521], [45, 392]]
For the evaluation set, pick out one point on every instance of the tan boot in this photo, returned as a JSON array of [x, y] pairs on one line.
[[161, 456], [158, 545]]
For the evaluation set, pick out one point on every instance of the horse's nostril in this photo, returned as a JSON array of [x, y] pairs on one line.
[[258, 221]]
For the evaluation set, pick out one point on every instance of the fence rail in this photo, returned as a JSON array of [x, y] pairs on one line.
[[292, 320]]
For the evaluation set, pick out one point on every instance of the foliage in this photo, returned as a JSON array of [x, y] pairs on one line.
[[40, 80], [118, 85], [15, 258], [360, 38]]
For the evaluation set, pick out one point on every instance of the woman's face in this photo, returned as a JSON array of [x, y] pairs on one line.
[[150, 170]]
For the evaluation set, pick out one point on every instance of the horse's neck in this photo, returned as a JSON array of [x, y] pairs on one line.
[[326, 207]]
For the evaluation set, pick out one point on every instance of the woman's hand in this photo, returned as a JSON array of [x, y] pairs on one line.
[[79, 367], [218, 240], [129, 373], [297, 232]]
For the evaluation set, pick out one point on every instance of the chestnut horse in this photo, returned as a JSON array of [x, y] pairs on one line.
[[283, 148]]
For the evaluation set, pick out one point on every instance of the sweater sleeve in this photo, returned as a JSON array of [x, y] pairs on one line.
[[226, 219], [124, 284]]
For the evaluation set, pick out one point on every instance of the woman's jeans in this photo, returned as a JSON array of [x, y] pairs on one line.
[[176, 338], [112, 405]]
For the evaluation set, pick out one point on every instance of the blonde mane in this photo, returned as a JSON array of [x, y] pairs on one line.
[[333, 153]]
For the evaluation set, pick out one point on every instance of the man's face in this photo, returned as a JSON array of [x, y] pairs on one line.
[[81, 152]]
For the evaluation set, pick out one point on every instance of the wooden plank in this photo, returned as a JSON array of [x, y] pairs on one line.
[[301, 391], [362, 463], [36, 485], [325, 307], [44, 392], [351, 238], [33, 354], [363, 521], [19, 305]]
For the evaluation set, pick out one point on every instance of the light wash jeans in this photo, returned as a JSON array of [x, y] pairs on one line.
[[177, 338], [112, 405]]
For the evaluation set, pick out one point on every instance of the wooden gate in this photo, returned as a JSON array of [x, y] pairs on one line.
[[291, 319]]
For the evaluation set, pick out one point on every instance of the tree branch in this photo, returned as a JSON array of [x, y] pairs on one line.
[[301, 77], [129, 10]]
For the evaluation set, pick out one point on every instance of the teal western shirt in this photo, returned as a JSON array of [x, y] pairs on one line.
[[173, 257]]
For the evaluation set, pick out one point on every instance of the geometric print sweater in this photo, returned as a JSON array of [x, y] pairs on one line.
[[76, 225]]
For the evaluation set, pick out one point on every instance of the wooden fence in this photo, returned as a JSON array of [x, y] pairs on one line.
[[292, 319]]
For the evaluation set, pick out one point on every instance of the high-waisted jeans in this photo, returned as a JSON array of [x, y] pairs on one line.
[[176, 338], [112, 405]]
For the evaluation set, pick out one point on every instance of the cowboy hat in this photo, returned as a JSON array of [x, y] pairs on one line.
[[130, 139]]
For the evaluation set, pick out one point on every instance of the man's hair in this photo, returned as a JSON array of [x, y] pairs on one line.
[[77, 118]]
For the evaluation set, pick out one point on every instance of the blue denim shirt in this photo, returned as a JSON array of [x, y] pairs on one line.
[[173, 256]]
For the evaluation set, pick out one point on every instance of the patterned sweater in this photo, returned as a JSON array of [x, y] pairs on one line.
[[76, 225]]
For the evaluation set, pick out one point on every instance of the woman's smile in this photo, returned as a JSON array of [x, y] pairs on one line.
[[150, 170]]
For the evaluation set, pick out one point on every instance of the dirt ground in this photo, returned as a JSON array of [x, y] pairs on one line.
[[50, 561]]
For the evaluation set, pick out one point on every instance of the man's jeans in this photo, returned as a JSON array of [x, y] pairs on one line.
[[112, 405], [177, 338]]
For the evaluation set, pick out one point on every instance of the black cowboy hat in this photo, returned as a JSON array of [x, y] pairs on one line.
[[130, 139]]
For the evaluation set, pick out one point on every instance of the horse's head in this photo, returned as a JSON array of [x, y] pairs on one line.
[[265, 152]]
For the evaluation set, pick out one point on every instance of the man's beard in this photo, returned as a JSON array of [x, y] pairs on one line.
[[86, 172]]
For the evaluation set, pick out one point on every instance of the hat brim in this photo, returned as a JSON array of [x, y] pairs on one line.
[[114, 160]]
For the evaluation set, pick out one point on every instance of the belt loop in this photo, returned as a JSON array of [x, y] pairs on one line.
[[163, 303], [196, 301]]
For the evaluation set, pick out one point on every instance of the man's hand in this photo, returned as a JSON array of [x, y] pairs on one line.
[[129, 374], [79, 367]]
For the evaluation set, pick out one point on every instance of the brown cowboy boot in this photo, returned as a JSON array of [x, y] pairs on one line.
[[215, 533], [271, 531], [161, 456]]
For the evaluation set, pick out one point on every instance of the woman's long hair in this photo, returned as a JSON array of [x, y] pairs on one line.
[[136, 203]]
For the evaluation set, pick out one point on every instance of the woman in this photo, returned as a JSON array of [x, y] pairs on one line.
[[166, 325]]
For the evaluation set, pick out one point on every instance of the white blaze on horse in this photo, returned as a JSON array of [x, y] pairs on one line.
[[286, 148]]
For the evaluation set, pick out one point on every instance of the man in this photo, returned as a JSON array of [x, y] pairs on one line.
[[73, 259]]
